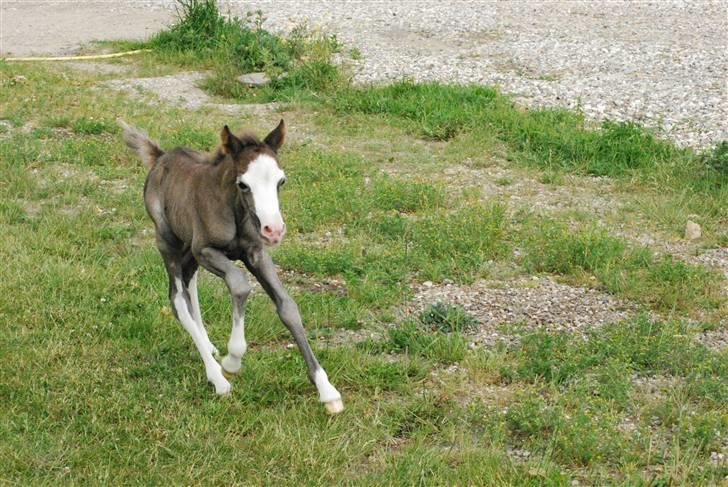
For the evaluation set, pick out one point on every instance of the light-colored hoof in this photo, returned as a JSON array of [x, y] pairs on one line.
[[222, 387], [230, 366], [334, 407]]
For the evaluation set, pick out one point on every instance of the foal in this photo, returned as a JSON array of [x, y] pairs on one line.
[[211, 210]]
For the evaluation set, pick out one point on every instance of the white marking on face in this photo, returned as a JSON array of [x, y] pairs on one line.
[[262, 177]]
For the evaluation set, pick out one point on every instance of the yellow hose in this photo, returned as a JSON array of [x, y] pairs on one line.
[[76, 58]]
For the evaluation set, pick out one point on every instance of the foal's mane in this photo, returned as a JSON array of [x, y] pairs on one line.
[[246, 140]]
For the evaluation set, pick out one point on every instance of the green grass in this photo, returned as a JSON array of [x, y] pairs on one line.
[[550, 137], [587, 389], [555, 140], [447, 318], [104, 387], [205, 39], [660, 282]]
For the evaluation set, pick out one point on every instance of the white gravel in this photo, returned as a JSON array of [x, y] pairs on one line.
[[528, 305], [663, 63]]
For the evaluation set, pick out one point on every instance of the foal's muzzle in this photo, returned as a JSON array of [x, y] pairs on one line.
[[272, 234]]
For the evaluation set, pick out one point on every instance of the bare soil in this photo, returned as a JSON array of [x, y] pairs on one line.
[[29, 28]]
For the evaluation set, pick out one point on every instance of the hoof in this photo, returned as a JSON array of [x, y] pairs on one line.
[[223, 389], [230, 366], [222, 386], [334, 407]]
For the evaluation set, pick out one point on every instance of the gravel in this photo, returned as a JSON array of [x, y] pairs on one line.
[[521, 307], [663, 64], [182, 89]]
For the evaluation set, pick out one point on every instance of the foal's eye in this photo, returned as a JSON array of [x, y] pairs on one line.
[[243, 187], [281, 183]]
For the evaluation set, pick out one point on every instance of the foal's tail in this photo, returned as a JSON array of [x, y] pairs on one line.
[[138, 140]]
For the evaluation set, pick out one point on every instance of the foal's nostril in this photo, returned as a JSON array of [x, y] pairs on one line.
[[267, 230]]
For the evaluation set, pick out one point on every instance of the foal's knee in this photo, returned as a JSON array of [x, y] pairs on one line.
[[239, 286]]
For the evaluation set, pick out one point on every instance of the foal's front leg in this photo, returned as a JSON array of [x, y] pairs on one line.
[[261, 265]]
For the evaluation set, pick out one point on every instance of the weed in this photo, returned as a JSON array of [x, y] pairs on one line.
[[716, 161], [443, 347], [504, 181], [203, 37], [447, 318], [91, 126]]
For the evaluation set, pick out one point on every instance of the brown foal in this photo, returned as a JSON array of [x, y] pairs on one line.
[[210, 210]]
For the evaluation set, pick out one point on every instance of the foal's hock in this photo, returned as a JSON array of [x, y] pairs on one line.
[[210, 210]]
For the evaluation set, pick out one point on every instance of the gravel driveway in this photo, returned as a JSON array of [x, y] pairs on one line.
[[664, 64]]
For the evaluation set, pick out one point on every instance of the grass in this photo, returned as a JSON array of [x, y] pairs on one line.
[[676, 183], [203, 38], [105, 387], [633, 272], [447, 318], [555, 140], [591, 383]]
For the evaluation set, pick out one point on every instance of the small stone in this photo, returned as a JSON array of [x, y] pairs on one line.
[[254, 79], [692, 230], [427, 283]]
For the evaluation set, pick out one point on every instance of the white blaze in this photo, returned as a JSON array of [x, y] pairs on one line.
[[262, 177]]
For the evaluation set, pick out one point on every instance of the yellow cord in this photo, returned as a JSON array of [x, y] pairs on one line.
[[76, 58]]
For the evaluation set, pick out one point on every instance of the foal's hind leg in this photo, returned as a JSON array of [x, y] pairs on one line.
[[237, 282], [182, 306], [190, 272]]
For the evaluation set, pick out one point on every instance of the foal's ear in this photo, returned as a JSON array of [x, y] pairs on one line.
[[230, 143], [276, 137]]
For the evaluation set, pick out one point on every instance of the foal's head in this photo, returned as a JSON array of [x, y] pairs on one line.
[[259, 178]]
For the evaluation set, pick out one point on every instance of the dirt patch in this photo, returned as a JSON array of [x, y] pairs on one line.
[[59, 28], [178, 89], [62, 172], [182, 90], [716, 340], [349, 337], [99, 68], [313, 284], [525, 306], [522, 191], [715, 258]]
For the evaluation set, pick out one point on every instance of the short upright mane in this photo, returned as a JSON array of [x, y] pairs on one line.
[[247, 140]]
